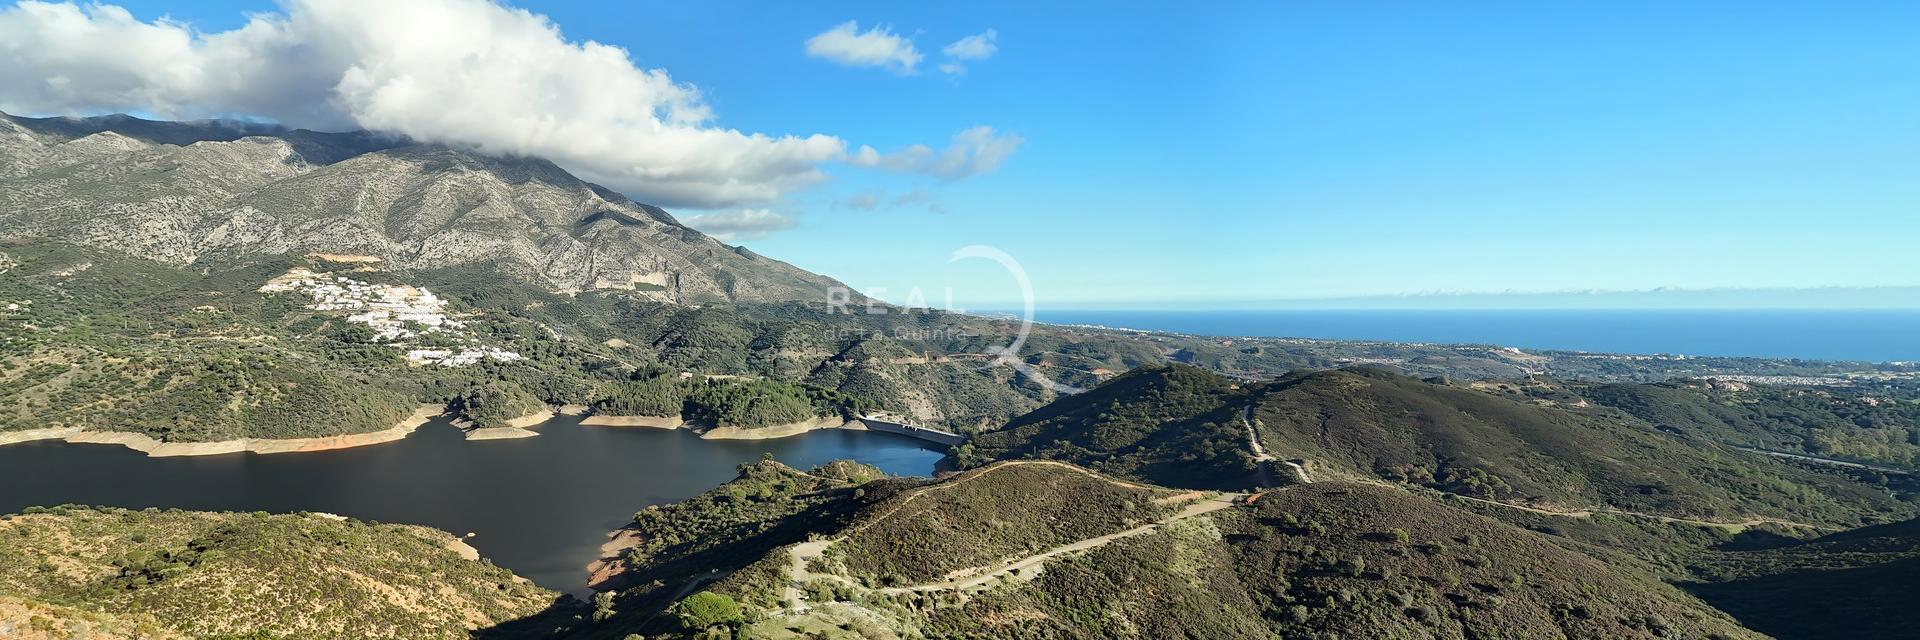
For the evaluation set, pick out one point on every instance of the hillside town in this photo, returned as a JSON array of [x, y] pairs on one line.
[[397, 314]]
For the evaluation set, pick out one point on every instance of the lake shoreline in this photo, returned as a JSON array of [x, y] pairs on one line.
[[709, 432], [541, 506], [521, 427], [517, 428], [609, 571], [265, 446], [774, 432]]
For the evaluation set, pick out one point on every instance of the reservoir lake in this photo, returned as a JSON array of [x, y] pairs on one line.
[[540, 506]]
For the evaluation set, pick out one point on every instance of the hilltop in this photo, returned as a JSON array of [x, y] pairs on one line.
[[1173, 425], [181, 574], [1465, 441], [1069, 553], [1876, 425], [1183, 427]]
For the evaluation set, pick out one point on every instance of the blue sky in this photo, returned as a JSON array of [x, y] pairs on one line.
[[1235, 154]]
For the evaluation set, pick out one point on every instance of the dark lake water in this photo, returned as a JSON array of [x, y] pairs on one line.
[[541, 506]]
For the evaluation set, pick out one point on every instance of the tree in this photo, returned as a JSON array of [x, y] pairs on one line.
[[603, 606], [708, 609]]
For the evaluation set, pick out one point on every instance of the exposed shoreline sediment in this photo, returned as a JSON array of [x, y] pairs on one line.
[[706, 432], [521, 427], [656, 422], [771, 432], [157, 449]]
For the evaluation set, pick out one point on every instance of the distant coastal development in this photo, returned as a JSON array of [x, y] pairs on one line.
[[1883, 336]]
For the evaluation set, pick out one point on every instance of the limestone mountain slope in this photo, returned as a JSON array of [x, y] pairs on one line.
[[193, 192]]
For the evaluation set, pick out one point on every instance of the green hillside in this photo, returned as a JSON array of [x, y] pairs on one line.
[[972, 519], [1173, 425], [93, 338], [1181, 426], [1879, 425], [1044, 550], [194, 574], [1853, 584], [1371, 423], [716, 538]]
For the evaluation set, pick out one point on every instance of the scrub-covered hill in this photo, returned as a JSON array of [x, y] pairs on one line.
[[1853, 584], [1878, 424], [197, 575], [1376, 424], [1173, 425], [1183, 426], [1043, 549]]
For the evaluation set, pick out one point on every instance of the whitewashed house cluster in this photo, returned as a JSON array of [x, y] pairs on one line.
[[396, 313]]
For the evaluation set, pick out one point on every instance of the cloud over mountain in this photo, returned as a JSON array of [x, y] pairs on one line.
[[741, 225], [463, 72]]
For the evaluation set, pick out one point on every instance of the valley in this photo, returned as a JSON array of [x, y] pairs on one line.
[[539, 506], [655, 433]]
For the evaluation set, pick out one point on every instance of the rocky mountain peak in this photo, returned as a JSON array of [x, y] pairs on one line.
[[181, 192]]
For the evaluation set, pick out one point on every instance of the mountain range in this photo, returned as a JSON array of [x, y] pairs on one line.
[[184, 193], [215, 286]]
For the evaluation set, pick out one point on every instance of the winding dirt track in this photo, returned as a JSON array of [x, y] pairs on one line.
[[801, 554], [981, 575], [1263, 458], [1736, 527]]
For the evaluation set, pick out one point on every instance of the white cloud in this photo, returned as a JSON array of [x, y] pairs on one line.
[[864, 200], [463, 72], [979, 46], [876, 47], [973, 152], [878, 199], [736, 226], [920, 197]]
